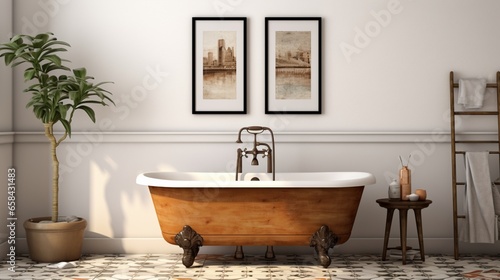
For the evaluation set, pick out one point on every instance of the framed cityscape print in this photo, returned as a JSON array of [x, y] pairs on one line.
[[219, 65], [293, 65]]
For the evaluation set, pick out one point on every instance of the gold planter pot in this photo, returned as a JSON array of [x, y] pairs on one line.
[[54, 242]]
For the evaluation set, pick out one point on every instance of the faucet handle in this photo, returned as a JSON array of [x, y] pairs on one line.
[[244, 153]]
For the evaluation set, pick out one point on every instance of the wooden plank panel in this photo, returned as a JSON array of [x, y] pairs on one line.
[[263, 216]]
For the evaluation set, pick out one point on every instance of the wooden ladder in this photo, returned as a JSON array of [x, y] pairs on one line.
[[455, 152]]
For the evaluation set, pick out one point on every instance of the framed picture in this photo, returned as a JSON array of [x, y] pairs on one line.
[[219, 65], [293, 65]]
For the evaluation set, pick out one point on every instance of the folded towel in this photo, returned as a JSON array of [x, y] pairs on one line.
[[497, 233], [471, 93], [496, 204], [479, 225], [496, 198]]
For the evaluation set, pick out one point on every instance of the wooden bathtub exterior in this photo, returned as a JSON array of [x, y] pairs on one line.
[[299, 209], [263, 216]]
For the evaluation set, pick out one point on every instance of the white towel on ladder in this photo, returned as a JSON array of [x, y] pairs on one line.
[[479, 225], [471, 93]]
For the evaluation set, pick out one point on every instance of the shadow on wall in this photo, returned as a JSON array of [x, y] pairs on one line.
[[102, 188]]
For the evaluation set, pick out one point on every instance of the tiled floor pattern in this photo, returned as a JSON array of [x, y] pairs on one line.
[[208, 267]]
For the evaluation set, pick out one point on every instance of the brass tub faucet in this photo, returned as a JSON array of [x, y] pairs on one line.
[[266, 151]]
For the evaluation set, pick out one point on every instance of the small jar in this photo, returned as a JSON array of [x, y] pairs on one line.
[[422, 194], [394, 190]]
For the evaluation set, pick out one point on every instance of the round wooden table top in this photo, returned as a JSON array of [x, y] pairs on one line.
[[403, 204]]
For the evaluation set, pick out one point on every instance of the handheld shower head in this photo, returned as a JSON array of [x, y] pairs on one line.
[[255, 129]]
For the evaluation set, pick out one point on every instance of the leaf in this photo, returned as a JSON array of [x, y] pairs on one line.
[[9, 57], [8, 46], [20, 50], [40, 40], [51, 51], [80, 73], [43, 36], [92, 102], [17, 63], [89, 111], [41, 112], [54, 59], [16, 38], [63, 109], [56, 42], [29, 73], [34, 102], [67, 126], [48, 67], [72, 95]]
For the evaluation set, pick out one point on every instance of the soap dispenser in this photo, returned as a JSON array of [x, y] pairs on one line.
[[394, 190]]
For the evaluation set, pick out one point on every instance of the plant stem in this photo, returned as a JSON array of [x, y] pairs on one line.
[[55, 169]]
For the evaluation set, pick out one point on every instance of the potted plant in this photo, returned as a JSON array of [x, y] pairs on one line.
[[57, 93]]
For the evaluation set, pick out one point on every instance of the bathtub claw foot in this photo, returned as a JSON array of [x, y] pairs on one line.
[[270, 253], [322, 240], [239, 255], [190, 241]]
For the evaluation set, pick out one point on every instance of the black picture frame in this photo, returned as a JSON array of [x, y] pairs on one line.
[[293, 65], [219, 71]]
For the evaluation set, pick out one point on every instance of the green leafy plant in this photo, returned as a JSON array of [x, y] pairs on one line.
[[57, 91]]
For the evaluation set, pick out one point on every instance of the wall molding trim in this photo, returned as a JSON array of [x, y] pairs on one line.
[[230, 137], [6, 138]]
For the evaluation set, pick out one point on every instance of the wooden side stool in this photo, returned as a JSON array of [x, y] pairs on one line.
[[403, 206]]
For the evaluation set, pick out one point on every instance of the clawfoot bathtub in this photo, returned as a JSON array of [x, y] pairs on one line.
[[314, 209]]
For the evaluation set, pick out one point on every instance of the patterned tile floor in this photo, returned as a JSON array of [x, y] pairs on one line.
[[208, 267]]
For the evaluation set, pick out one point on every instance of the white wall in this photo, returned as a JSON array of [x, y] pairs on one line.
[[388, 98]]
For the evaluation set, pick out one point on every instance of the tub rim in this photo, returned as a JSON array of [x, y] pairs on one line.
[[227, 180]]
